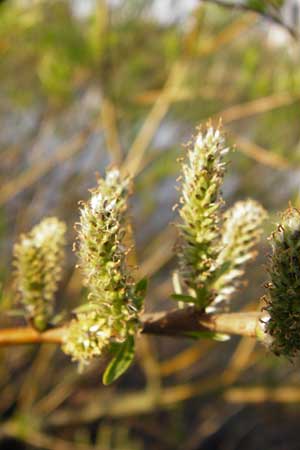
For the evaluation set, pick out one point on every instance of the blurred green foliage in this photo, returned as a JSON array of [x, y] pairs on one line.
[[78, 80]]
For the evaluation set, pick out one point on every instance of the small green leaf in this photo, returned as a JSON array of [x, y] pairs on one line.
[[140, 292], [114, 347], [141, 286], [120, 363], [183, 298]]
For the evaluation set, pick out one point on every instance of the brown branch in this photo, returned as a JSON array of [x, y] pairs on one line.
[[180, 322], [177, 323]]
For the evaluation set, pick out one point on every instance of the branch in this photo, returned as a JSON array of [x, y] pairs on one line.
[[175, 323], [180, 322], [244, 7], [28, 335]]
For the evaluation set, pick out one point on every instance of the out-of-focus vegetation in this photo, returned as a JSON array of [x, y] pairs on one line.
[[84, 84]]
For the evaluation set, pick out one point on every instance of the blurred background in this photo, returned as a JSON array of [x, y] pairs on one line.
[[89, 83]]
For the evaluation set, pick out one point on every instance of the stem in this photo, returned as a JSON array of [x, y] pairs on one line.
[[176, 323], [28, 335], [179, 322]]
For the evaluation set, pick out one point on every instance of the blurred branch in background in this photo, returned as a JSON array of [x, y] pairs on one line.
[[262, 8], [34, 173], [159, 110], [259, 154], [262, 394], [109, 124]]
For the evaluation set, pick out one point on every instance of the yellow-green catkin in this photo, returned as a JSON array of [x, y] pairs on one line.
[[38, 258], [203, 173], [282, 302], [240, 233], [214, 245], [111, 312]]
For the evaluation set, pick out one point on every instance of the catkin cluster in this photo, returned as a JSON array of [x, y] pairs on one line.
[[283, 297], [38, 258], [214, 246], [110, 314]]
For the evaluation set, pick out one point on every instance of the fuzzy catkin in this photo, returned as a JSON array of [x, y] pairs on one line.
[[240, 233], [214, 246], [203, 173], [110, 314], [38, 259], [282, 302]]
